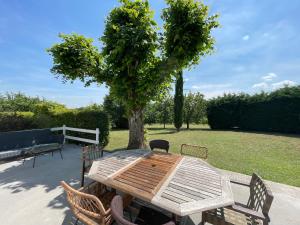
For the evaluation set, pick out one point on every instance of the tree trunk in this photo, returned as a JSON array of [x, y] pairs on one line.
[[136, 130], [187, 124]]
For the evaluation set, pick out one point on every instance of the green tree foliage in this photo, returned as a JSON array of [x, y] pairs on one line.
[[116, 111], [165, 110], [135, 63], [194, 109], [18, 102], [178, 101], [278, 111], [40, 113]]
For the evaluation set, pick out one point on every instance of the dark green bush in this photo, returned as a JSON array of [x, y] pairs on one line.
[[278, 111], [11, 121], [88, 119]]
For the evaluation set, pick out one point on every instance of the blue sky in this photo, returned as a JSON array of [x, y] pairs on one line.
[[257, 47]]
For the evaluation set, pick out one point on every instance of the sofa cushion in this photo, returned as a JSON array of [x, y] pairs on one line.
[[44, 148], [12, 153]]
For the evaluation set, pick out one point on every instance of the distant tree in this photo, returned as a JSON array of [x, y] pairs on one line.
[[94, 106], [165, 110], [151, 113], [129, 62], [194, 109], [116, 111], [178, 102], [19, 102]]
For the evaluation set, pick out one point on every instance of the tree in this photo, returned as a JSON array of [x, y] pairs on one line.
[[178, 101], [116, 111], [164, 109], [194, 109], [134, 62]]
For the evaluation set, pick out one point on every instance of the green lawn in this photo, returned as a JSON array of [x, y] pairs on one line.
[[275, 157]]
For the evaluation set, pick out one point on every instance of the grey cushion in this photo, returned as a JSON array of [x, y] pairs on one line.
[[12, 153], [44, 148]]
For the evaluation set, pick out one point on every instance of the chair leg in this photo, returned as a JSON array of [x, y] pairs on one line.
[[24, 160], [61, 156], [33, 161], [52, 153], [82, 179]]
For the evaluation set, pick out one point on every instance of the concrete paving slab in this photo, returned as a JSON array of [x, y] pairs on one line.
[[33, 196]]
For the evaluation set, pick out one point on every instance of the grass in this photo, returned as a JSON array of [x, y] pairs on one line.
[[275, 157]]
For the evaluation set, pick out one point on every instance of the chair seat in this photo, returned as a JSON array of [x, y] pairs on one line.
[[106, 199], [227, 216], [148, 216]]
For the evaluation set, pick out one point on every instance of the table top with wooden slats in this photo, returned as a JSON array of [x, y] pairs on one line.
[[180, 184]]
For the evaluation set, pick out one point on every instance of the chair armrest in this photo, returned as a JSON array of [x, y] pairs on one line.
[[240, 182], [246, 211]]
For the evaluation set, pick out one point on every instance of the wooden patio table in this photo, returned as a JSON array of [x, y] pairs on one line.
[[179, 184]]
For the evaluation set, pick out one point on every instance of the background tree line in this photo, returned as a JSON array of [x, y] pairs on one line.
[[277, 111], [160, 111], [21, 112]]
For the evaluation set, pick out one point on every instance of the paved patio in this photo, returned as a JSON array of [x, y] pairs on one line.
[[32, 196]]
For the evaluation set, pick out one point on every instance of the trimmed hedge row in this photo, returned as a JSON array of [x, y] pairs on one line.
[[88, 119], [10, 121], [278, 111]]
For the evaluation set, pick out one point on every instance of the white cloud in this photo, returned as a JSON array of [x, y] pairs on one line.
[[246, 37], [262, 85], [186, 79], [283, 84], [210, 86], [269, 77]]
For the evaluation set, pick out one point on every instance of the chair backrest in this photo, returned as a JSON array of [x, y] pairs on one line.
[[116, 207], [91, 153], [261, 196], [194, 150], [86, 207], [159, 144]]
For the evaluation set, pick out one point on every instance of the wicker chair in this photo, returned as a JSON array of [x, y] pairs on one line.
[[90, 204], [159, 144], [194, 150], [89, 154], [118, 215], [255, 212]]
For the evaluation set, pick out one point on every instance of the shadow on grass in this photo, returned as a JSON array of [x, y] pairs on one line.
[[207, 129]]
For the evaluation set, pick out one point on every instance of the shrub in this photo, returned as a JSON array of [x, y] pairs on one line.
[[88, 119], [278, 111], [11, 121]]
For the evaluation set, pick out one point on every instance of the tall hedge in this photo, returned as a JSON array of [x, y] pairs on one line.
[[10, 121], [278, 111], [89, 119]]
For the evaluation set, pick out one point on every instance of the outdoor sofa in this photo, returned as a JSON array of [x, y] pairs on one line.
[[29, 143]]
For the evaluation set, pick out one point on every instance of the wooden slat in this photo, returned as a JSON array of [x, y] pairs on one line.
[[194, 186], [147, 174], [181, 185]]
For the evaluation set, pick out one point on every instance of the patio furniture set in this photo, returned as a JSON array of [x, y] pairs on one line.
[[153, 187], [29, 143]]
